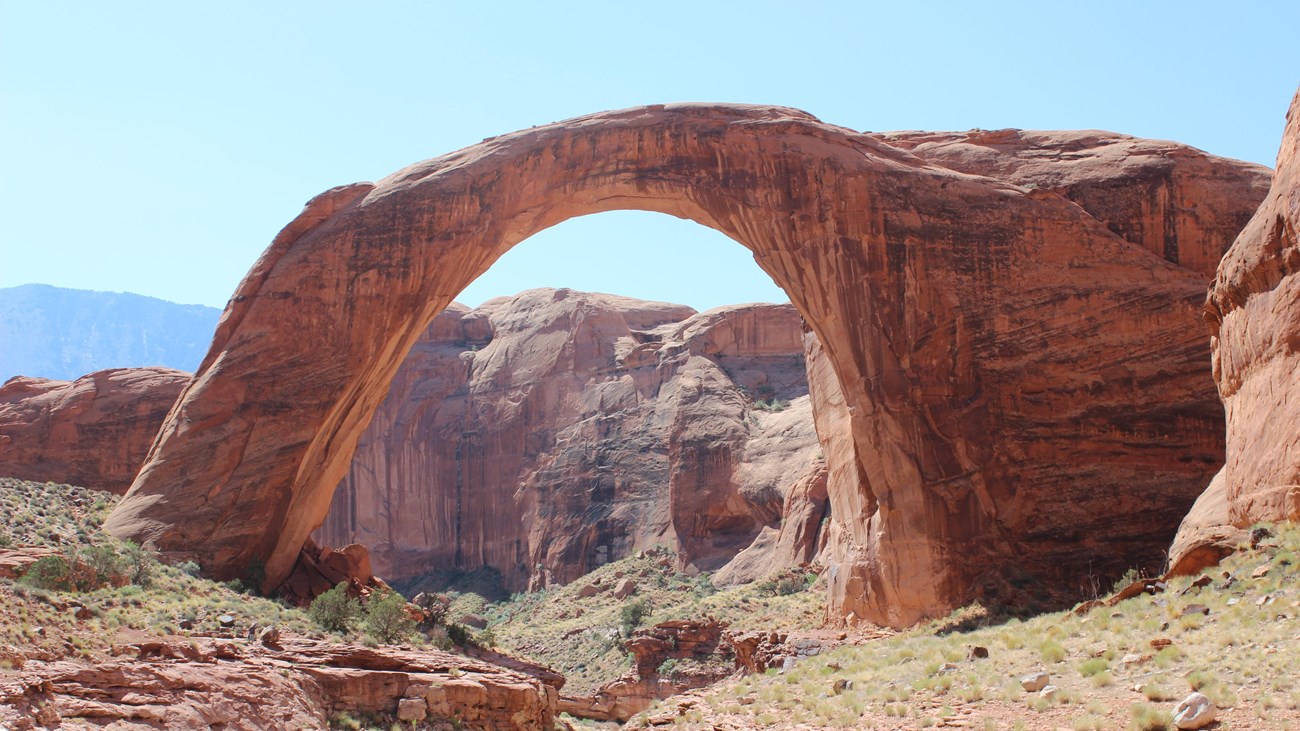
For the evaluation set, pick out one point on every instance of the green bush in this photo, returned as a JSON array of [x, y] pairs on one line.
[[634, 613], [790, 581], [459, 635], [138, 563], [105, 565], [386, 618], [334, 610], [52, 573], [90, 567]]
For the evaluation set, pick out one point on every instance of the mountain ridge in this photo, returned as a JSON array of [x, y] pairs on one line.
[[62, 334]]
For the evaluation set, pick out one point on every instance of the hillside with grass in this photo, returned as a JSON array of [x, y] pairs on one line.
[[580, 628], [1231, 633]]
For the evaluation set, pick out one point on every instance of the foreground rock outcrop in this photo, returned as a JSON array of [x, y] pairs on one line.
[[196, 682], [94, 431], [1253, 311], [551, 432], [700, 643], [1010, 371]]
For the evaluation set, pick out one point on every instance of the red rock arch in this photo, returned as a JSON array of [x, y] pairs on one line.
[[988, 342]]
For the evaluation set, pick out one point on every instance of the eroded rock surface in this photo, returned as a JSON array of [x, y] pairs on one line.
[[1253, 311], [565, 429], [1012, 372], [187, 683], [94, 431], [1177, 202]]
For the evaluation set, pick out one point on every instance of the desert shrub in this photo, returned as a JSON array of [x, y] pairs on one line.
[[633, 614], [459, 635], [1093, 666], [1146, 718], [334, 610], [435, 606], [254, 576], [386, 618], [190, 568], [791, 581], [52, 573], [137, 562], [1051, 651], [105, 565]]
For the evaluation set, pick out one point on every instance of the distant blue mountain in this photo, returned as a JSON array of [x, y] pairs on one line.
[[65, 333]]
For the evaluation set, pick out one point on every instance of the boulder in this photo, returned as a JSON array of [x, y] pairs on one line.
[[1035, 682], [1195, 711]]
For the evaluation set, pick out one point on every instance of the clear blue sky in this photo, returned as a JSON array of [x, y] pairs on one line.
[[157, 147]]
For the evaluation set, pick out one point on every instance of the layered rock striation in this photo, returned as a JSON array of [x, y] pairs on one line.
[[548, 433], [94, 431]]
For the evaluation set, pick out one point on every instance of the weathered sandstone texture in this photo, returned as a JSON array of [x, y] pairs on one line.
[[1176, 201], [94, 431], [197, 682], [1253, 311], [1008, 373], [563, 430]]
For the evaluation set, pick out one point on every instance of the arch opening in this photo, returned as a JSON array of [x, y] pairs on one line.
[[631, 423]]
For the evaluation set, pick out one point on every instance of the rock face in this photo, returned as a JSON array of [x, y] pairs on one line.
[[563, 430], [1175, 201], [1006, 372], [1206, 534], [1253, 311], [94, 431]]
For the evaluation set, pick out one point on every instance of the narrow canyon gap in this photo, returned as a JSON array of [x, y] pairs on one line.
[[998, 369]]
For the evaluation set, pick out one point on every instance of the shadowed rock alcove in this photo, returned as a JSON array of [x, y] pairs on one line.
[[1010, 389]]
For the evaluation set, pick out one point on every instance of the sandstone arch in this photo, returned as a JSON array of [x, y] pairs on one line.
[[986, 348]]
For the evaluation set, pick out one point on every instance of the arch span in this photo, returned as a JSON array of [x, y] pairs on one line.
[[935, 295]]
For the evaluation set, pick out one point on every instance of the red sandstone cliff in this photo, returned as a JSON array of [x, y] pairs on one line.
[[563, 429], [94, 431], [1253, 311]]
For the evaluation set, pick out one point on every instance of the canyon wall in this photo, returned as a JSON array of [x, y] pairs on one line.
[[93, 432], [554, 431], [1253, 311]]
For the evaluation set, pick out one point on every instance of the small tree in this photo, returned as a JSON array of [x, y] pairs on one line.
[[52, 573], [137, 562], [386, 618], [334, 610], [106, 567], [633, 614]]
